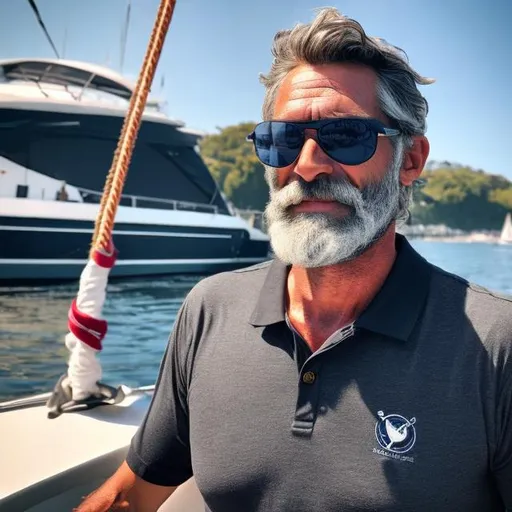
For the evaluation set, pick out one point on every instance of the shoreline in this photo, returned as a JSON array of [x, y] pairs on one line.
[[468, 239]]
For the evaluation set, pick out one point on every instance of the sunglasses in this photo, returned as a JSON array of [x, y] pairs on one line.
[[348, 140]]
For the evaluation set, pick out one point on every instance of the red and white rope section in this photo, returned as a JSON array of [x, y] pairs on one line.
[[86, 327]]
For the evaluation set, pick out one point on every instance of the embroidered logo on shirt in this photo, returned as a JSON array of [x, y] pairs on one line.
[[396, 435]]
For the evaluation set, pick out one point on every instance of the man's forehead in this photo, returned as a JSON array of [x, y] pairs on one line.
[[314, 80], [351, 84], [334, 76]]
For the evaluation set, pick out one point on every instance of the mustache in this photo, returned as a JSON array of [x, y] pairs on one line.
[[323, 188]]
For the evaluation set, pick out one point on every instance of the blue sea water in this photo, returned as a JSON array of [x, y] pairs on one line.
[[141, 312]]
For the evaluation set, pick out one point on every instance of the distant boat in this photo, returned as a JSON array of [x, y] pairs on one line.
[[506, 232]]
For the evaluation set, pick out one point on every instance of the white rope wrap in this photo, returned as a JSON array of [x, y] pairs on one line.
[[84, 369]]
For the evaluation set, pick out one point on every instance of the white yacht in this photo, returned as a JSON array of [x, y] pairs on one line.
[[60, 122]]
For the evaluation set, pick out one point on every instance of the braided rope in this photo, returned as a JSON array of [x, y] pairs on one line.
[[117, 174]]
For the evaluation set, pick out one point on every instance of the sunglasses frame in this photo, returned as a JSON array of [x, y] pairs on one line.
[[375, 125]]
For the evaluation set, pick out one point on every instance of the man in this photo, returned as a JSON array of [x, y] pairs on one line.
[[62, 194], [348, 373]]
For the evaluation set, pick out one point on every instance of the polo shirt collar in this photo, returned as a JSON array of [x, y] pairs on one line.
[[398, 305], [271, 305], [393, 312]]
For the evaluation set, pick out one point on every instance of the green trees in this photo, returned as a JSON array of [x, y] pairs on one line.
[[455, 195], [462, 198], [234, 166]]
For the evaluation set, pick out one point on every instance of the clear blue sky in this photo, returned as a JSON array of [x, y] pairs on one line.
[[216, 48]]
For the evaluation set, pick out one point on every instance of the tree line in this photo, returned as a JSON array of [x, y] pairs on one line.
[[448, 193]]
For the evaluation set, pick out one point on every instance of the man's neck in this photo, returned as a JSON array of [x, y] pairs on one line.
[[323, 300]]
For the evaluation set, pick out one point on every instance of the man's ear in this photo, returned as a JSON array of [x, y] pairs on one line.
[[414, 160]]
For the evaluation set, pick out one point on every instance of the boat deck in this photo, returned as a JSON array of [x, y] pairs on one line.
[[40, 448]]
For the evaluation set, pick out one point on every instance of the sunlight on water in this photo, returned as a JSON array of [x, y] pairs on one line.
[[141, 314]]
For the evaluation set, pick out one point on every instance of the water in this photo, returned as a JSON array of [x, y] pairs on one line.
[[33, 321]]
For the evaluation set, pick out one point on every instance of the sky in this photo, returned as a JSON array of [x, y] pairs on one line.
[[216, 49]]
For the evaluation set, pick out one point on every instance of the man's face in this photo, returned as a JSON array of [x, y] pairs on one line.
[[322, 212]]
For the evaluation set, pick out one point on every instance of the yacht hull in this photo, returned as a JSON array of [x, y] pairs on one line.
[[50, 241]]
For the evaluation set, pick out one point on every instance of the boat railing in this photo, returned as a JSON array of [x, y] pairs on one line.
[[255, 218], [93, 196]]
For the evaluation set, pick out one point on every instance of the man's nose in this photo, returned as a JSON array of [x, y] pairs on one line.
[[312, 161]]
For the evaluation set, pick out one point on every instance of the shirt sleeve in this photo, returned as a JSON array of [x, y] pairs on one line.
[[160, 450], [503, 459]]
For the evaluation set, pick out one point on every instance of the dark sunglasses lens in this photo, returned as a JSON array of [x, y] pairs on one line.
[[277, 143], [348, 141]]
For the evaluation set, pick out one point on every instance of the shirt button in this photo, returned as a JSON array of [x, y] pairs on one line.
[[309, 378]]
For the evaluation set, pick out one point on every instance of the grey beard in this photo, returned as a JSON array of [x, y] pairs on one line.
[[313, 240]]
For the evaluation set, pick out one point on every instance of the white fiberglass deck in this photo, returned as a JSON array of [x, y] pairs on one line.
[[34, 448]]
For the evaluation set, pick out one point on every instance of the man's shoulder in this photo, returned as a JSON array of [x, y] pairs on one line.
[[234, 285], [488, 311], [472, 289]]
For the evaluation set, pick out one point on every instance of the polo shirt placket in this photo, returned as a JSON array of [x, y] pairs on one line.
[[310, 380]]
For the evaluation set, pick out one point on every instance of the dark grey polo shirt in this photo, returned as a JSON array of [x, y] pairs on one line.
[[410, 409]]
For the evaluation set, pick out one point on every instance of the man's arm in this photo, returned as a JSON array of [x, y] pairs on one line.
[[126, 491]]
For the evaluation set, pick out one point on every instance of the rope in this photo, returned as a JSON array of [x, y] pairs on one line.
[[43, 26], [117, 174]]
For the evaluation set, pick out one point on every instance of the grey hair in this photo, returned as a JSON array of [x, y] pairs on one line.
[[334, 38], [331, 38]]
